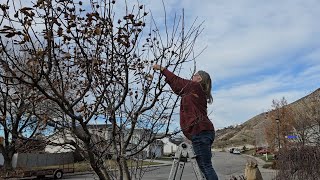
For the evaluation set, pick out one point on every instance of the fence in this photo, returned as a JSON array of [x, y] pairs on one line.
[[30, 160]]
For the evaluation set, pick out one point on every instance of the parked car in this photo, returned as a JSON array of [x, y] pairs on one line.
[[236, 151], [263, 151]]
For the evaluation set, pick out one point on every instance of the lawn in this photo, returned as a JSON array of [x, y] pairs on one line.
[[165, 158], [269, 158]]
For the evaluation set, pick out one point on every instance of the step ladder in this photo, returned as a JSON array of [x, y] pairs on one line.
[[184, 152]]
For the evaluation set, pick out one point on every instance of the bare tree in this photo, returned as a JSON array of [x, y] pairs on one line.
[[18, 105], [313, 114], [94, 61], [297, 156], [301, 119], [279, 124], [307, 120], [299, 162], [302, 124]]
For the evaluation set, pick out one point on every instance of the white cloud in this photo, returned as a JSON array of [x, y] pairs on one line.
[[242, 39], [313, 57], [259, 50], [256, 51], [312, 73], [240, 103]]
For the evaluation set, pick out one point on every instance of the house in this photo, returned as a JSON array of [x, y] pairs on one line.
[[155, 149], [140, 138], [170, 144], [60, 137], [101, 130], [59, 140], [102, 135]]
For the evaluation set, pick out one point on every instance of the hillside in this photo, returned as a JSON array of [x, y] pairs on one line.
[[251, 131]]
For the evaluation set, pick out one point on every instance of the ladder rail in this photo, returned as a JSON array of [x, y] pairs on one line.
[[184, 152], [195, 165]]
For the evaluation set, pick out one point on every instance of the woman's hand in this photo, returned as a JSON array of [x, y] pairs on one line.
[[158, 67]]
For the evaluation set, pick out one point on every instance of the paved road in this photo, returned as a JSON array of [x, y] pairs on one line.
[[225, 164]]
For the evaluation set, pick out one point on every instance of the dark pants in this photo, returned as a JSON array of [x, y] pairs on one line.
[[202, 148]]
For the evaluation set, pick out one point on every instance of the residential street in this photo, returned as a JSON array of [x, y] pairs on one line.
[[225, 164]]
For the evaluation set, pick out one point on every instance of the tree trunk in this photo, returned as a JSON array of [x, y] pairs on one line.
[[99, 172], [97, 164], [7, 156], [119, 165], [125, 168]]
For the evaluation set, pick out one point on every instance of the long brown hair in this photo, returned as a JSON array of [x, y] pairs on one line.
[[206, 85]]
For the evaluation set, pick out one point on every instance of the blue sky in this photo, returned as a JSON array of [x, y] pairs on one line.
[[256, 51]]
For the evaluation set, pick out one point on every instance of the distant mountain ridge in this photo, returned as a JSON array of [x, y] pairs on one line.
[[250, 132]]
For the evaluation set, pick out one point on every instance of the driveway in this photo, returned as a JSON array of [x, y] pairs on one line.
[[225, 164]]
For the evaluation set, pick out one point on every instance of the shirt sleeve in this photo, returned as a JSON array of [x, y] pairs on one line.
[[178, 85]]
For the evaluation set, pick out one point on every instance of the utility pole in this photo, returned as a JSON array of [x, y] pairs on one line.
[[278, 129]]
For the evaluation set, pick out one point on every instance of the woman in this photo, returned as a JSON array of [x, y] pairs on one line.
[[194, 121]]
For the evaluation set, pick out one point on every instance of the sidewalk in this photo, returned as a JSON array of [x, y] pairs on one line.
[[162, 162]]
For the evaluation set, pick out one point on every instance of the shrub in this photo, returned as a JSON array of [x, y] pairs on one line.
[[299, 163]]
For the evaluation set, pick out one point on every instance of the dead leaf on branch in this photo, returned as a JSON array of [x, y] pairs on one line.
[[97, 31], [149, 77], [6, 28], [60, 32], [26, 12], [67, 56], [26, 9], [10, 34], [26, 38], [81, 109]]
